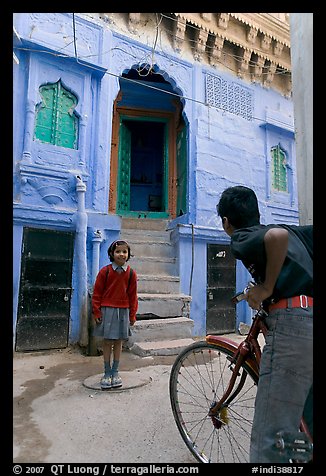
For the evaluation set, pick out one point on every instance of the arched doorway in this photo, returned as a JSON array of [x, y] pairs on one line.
[[149, 149]]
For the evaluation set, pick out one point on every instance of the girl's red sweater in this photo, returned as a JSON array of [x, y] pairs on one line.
[[111, 289]]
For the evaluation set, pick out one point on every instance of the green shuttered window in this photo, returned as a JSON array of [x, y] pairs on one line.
[[56, 121], [279, 175]]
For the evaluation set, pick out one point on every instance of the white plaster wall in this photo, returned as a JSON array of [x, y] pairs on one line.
[[301, 29]]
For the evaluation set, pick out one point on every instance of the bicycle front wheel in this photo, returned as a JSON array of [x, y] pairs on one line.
[[198, 379]]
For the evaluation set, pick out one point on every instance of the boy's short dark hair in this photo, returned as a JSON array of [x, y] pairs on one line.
[[240, 205], [113, 246]]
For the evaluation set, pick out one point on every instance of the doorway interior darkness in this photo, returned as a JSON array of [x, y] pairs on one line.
[[147, 168]]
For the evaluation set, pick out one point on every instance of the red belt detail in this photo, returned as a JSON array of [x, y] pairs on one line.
[[295, 301]]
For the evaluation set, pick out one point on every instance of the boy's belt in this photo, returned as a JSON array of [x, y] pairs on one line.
[[295, 301]]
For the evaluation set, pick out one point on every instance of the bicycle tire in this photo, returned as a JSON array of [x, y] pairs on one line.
[[198, 377]]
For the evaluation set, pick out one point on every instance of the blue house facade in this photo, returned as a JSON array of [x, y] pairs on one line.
[[87, 90]]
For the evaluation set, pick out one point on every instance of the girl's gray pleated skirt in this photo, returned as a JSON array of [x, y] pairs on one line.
[[114, 325]]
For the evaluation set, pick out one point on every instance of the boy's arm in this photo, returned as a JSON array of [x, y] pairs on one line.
[[276, 246]]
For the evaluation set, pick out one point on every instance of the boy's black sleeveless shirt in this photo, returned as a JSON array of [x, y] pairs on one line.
[[296, 276]]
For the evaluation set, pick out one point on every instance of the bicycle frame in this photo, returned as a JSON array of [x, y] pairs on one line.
[[248, 351], [213, 387]]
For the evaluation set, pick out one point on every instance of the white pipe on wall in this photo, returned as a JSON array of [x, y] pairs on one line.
[[81, 237]]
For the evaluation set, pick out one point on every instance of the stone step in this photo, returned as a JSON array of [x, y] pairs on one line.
[[163, 326], [164, 347], [151, 248], [148, 240], [160, 336], [154, 265], [160, 329], [158, 284], [145, 235], [163, 305], [144, 224]]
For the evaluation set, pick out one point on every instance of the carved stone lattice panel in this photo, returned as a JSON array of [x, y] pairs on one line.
[[229, 97]]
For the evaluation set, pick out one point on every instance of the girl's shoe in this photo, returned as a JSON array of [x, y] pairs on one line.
[[116, 381], [106, 382]]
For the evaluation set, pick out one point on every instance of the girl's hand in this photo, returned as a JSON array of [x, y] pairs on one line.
[[98, 320]]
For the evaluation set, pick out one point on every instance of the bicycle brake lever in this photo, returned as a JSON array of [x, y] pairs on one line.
[[242, 295], [238, 297]]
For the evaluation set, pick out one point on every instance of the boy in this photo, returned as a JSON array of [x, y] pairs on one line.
[[279, 258]]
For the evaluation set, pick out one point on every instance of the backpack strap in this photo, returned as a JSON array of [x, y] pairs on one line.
[[107, 273], [130, 274]]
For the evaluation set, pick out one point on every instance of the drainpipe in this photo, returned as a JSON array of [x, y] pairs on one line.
[[81, 235], [96, 240]]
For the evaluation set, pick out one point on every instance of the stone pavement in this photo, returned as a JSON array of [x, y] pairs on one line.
[[60, 414]]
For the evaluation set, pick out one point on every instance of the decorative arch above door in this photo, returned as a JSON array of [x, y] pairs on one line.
[[148, 160]]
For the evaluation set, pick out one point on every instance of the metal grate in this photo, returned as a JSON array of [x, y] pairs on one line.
[[279, 176]]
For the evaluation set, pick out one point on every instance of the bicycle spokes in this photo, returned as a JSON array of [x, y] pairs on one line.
[[198, 381]]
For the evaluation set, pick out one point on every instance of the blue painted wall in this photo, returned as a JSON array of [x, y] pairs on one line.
[[224, 147]]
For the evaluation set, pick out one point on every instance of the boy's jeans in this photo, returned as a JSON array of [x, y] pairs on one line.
[[286, 376]]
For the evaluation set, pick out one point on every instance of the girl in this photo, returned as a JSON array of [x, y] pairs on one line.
[[114, 305]]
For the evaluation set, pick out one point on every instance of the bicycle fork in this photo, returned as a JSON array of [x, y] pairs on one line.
[[218, 410]]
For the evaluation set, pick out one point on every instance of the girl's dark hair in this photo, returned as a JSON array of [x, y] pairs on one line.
[[240, 205], [113, 246]]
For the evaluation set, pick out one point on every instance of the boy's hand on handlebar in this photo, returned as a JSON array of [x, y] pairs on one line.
[[256, 295]]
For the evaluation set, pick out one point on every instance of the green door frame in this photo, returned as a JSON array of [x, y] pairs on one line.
[[123, 202], [181, 176]]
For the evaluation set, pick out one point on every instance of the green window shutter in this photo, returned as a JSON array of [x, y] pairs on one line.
[[56, 122], [279, 175], [44, 114]]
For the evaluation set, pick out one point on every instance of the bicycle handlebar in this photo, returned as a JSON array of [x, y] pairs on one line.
[[242, 294]]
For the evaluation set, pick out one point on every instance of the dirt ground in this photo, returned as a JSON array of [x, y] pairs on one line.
[[57, 419]]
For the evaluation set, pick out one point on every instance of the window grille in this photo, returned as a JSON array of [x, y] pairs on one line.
[[279, 172]]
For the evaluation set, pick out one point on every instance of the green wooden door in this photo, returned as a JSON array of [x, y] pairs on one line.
[[126, 154], [181, 172], [124, 169]]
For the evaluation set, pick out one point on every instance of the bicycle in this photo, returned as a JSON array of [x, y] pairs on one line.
[[212, 389]]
